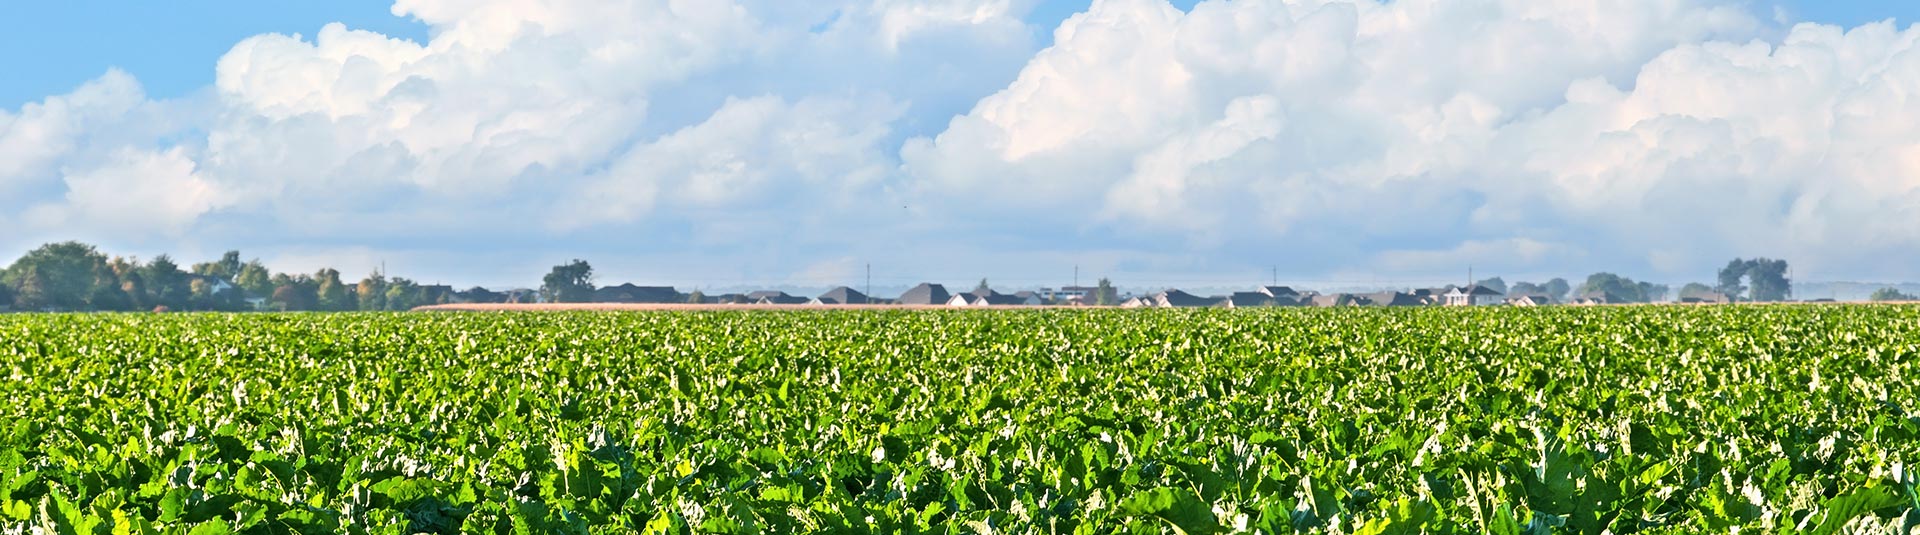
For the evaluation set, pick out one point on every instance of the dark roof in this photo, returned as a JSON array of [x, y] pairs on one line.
[[1395, 299], [1177, 298], [926, 294], [843, 296], [628, 293], [988, 292], [1026, 293], [1248, 299], [1476, 290], [1000, 299], [763, 294], [782, 299], [1278, 291]]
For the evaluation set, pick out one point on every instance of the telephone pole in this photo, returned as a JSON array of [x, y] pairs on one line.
[[869, 283]]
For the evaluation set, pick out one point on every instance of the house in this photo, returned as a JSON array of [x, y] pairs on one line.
[[765, 294], [1475, 296], [842, 296], [1279, 292], [1247, 300], [1179, 299], [729, 299], [1136, 302], [926, 294], [1531, 301], [1707, 298], [1394, 299], [1067, 293], [1338, 300], [782, 299], [519, 295], [628, 293], [1600, 298]]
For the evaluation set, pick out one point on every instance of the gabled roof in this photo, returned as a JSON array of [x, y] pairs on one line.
[[1247, 300], [926, 294], [1278, 291], [1179, 299], [763, 294], [1395, 299], [843, 296], [782, 299], [628, 293]]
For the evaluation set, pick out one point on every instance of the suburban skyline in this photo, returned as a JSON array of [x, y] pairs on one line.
[[764, 142]]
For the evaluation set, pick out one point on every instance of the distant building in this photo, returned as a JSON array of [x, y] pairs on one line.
[[1247, 300], [1707, 298], [1180, 299], [1136, 302], [842, 296], [926, 294], [1531, 301], [1339, 300], [782, 299], [1395, 299], [628, 293], [1476, 295], [1600, 298]]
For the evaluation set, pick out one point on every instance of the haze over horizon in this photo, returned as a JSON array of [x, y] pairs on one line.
[[780, 142]]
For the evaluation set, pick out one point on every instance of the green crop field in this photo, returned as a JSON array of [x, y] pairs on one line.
[[1606, 420]]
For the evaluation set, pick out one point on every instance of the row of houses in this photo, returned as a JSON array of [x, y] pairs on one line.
[[930, 294]]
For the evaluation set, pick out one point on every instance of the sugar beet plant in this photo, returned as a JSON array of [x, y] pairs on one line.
[[1619, 420]]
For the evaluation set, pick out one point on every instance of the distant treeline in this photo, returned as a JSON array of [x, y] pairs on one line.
[[73, 276]]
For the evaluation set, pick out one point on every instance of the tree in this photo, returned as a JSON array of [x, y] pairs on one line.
[[254, 279], [1768, 278], [1104, 294], [1621, 287], [696, 298], [330, 294], [403, 294], [372, 292], [1695, 290], [59, 276], [571, 282], [294, 293], [1890, 294], [1494, 284], [6, 296], [1526, 288], [167, 285], [1558, 288], [983, 288], [1653, 293]]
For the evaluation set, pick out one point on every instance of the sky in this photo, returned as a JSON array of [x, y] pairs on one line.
[[1198, 142]]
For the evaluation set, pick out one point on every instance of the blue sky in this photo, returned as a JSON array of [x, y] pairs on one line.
[[952, 139]]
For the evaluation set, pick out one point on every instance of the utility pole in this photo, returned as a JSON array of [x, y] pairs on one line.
[[1276, 275], [869, 283], [1076, 275]]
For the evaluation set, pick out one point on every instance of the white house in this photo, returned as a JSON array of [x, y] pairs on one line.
[[1477, 295]]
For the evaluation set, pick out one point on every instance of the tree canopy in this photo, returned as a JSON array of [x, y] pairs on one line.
[[571, 282]]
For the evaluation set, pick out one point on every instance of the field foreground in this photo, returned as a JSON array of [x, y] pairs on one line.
[[1620, 420]]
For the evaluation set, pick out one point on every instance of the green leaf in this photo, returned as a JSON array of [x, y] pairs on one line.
[[1181, 508], [1841, 510]]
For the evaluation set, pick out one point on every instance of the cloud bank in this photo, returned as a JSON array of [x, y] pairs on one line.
[[1329, 137]]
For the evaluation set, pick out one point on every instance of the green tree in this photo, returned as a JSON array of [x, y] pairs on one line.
[[571, 282], [1621, 287], [1558, 288], [333, 295], [60, 276], [403, 294], [167, 285], [983, 288], [697, 298], [254, 279], [1104, 294], [6, 296], [1890, 294], [291, 293], [372, 292]]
